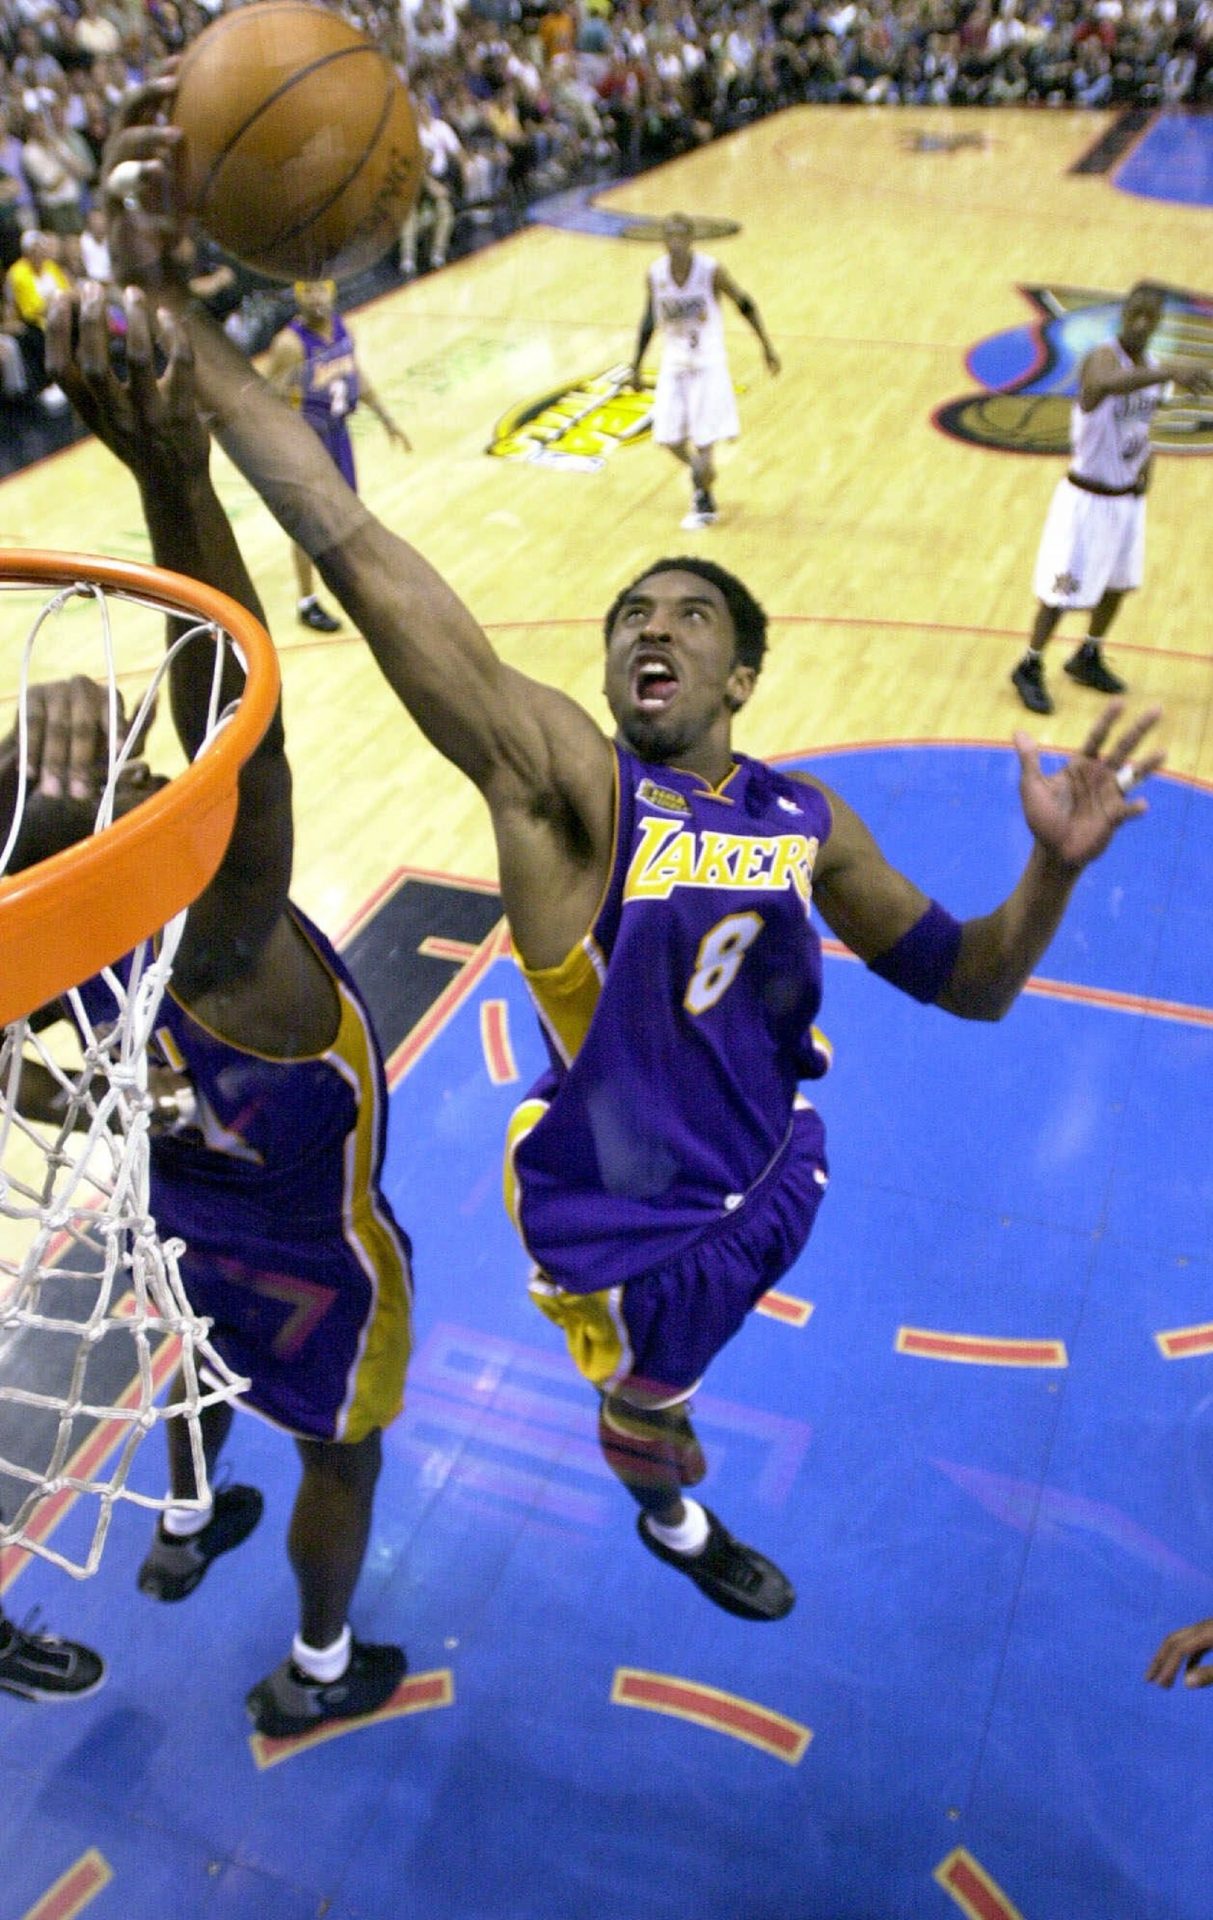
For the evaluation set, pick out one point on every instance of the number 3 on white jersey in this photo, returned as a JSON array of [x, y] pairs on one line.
[[721, 952]]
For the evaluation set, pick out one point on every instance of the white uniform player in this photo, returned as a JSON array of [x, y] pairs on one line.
[[694, 399], [1093, 545], [694, 405], [1095, 533]]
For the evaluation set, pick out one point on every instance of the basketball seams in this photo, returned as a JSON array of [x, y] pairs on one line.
[[301, 226], [293, 80]]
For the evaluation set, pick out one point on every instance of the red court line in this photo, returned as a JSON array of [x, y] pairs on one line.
[[416, 1694], [972, 1888], [727, 1713], [1180, 1343], [436, 947], [785, 1307], [495, 1039], [977, 1350], [74, 1889], [446, 1006], [1184, 1012]]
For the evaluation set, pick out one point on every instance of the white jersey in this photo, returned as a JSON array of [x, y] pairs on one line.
[[1111, 444], [692, 330]]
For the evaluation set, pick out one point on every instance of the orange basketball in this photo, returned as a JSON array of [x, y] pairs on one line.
[[300, 154]]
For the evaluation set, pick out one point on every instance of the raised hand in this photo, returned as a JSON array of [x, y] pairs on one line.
[[1185, 1648], [140, 186], [1075, 811], [151, 423]]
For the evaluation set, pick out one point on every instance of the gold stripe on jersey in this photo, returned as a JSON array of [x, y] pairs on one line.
[[567, 995], [375, 1392]]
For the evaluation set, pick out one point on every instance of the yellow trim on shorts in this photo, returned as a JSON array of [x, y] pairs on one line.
[[375, 1392], [593, 1326]]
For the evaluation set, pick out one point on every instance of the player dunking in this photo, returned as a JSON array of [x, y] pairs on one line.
[[694, 405], [666, 1170], [1092, 549], [314, 362], [270, 1173]]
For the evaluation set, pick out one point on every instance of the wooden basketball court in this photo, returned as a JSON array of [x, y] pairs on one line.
[[986, 1553]]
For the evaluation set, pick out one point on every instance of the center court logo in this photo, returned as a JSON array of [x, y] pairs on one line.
[[1030, 373], [579, 426]]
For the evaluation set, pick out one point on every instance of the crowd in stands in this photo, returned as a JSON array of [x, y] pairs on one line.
[[519, 97]]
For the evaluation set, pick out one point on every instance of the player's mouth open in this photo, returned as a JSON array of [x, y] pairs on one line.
[[654, 683]]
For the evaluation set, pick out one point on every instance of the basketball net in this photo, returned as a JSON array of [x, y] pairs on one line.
[[94, 1320]]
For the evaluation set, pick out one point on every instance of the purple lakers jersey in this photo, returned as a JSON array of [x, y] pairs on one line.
[[290, 1245], [328, 377], [679, 1027]]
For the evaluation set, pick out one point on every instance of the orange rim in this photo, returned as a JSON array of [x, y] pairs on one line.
[[62, 920]]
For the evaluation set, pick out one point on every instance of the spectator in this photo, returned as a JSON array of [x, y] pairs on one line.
[[28, 286]]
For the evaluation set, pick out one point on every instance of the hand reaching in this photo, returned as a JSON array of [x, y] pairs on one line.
[[140, 188], [151, 424], [1075, 811], [1185, 1648]]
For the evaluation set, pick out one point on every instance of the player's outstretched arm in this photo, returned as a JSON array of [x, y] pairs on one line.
[[977, 969], [151, 424]]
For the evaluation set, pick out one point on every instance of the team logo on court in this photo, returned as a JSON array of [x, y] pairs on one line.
[[922, 141], [1029, 374], [577, 427]]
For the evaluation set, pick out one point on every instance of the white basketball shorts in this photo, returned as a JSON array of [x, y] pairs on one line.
[[695, 404], [1092, 542]]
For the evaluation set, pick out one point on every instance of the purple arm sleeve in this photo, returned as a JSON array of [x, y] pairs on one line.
[[921, 963]]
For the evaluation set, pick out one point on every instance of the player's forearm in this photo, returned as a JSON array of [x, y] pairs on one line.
[[428, 646], [191, 534], [999, 952]]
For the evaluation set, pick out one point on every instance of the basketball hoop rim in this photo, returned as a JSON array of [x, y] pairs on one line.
[[80, 910]]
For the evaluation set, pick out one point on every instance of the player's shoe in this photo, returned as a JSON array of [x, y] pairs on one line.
[[310, 613], [1088, 667], [705, 504], [736, 1577], [40, 1666], [1028, 681], [288, 1701], [173, 1568], [694, 521]]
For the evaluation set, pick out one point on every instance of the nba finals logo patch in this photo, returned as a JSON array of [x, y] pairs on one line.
[[577, 427], [665, 797], [1029, 374]]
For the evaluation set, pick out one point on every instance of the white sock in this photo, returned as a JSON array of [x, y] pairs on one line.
[[323, 1663], [182, 1523], [689, 1536], [306, 600]]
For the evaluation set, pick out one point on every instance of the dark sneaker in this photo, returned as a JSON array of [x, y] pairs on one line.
[[1028, 681], [318, 618], [737, 1578], [1088, 668], [705, 504], [173, 1568], [40, 1666], [289, 1702]]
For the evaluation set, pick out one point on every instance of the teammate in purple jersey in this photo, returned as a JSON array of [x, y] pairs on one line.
[[613, 856], [272, 1095], [313, 361]]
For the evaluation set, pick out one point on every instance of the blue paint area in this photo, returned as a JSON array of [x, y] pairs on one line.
[[1044, 358], [1173, 160], [985, 1557]]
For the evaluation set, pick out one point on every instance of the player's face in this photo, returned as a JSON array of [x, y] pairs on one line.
[[672, 679], [677, 237], [1139, 319], [316, 300]]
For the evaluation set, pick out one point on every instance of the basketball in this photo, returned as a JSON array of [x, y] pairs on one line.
[[300, 154]]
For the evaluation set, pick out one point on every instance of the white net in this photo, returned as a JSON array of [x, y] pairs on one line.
[[94, 1320]]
